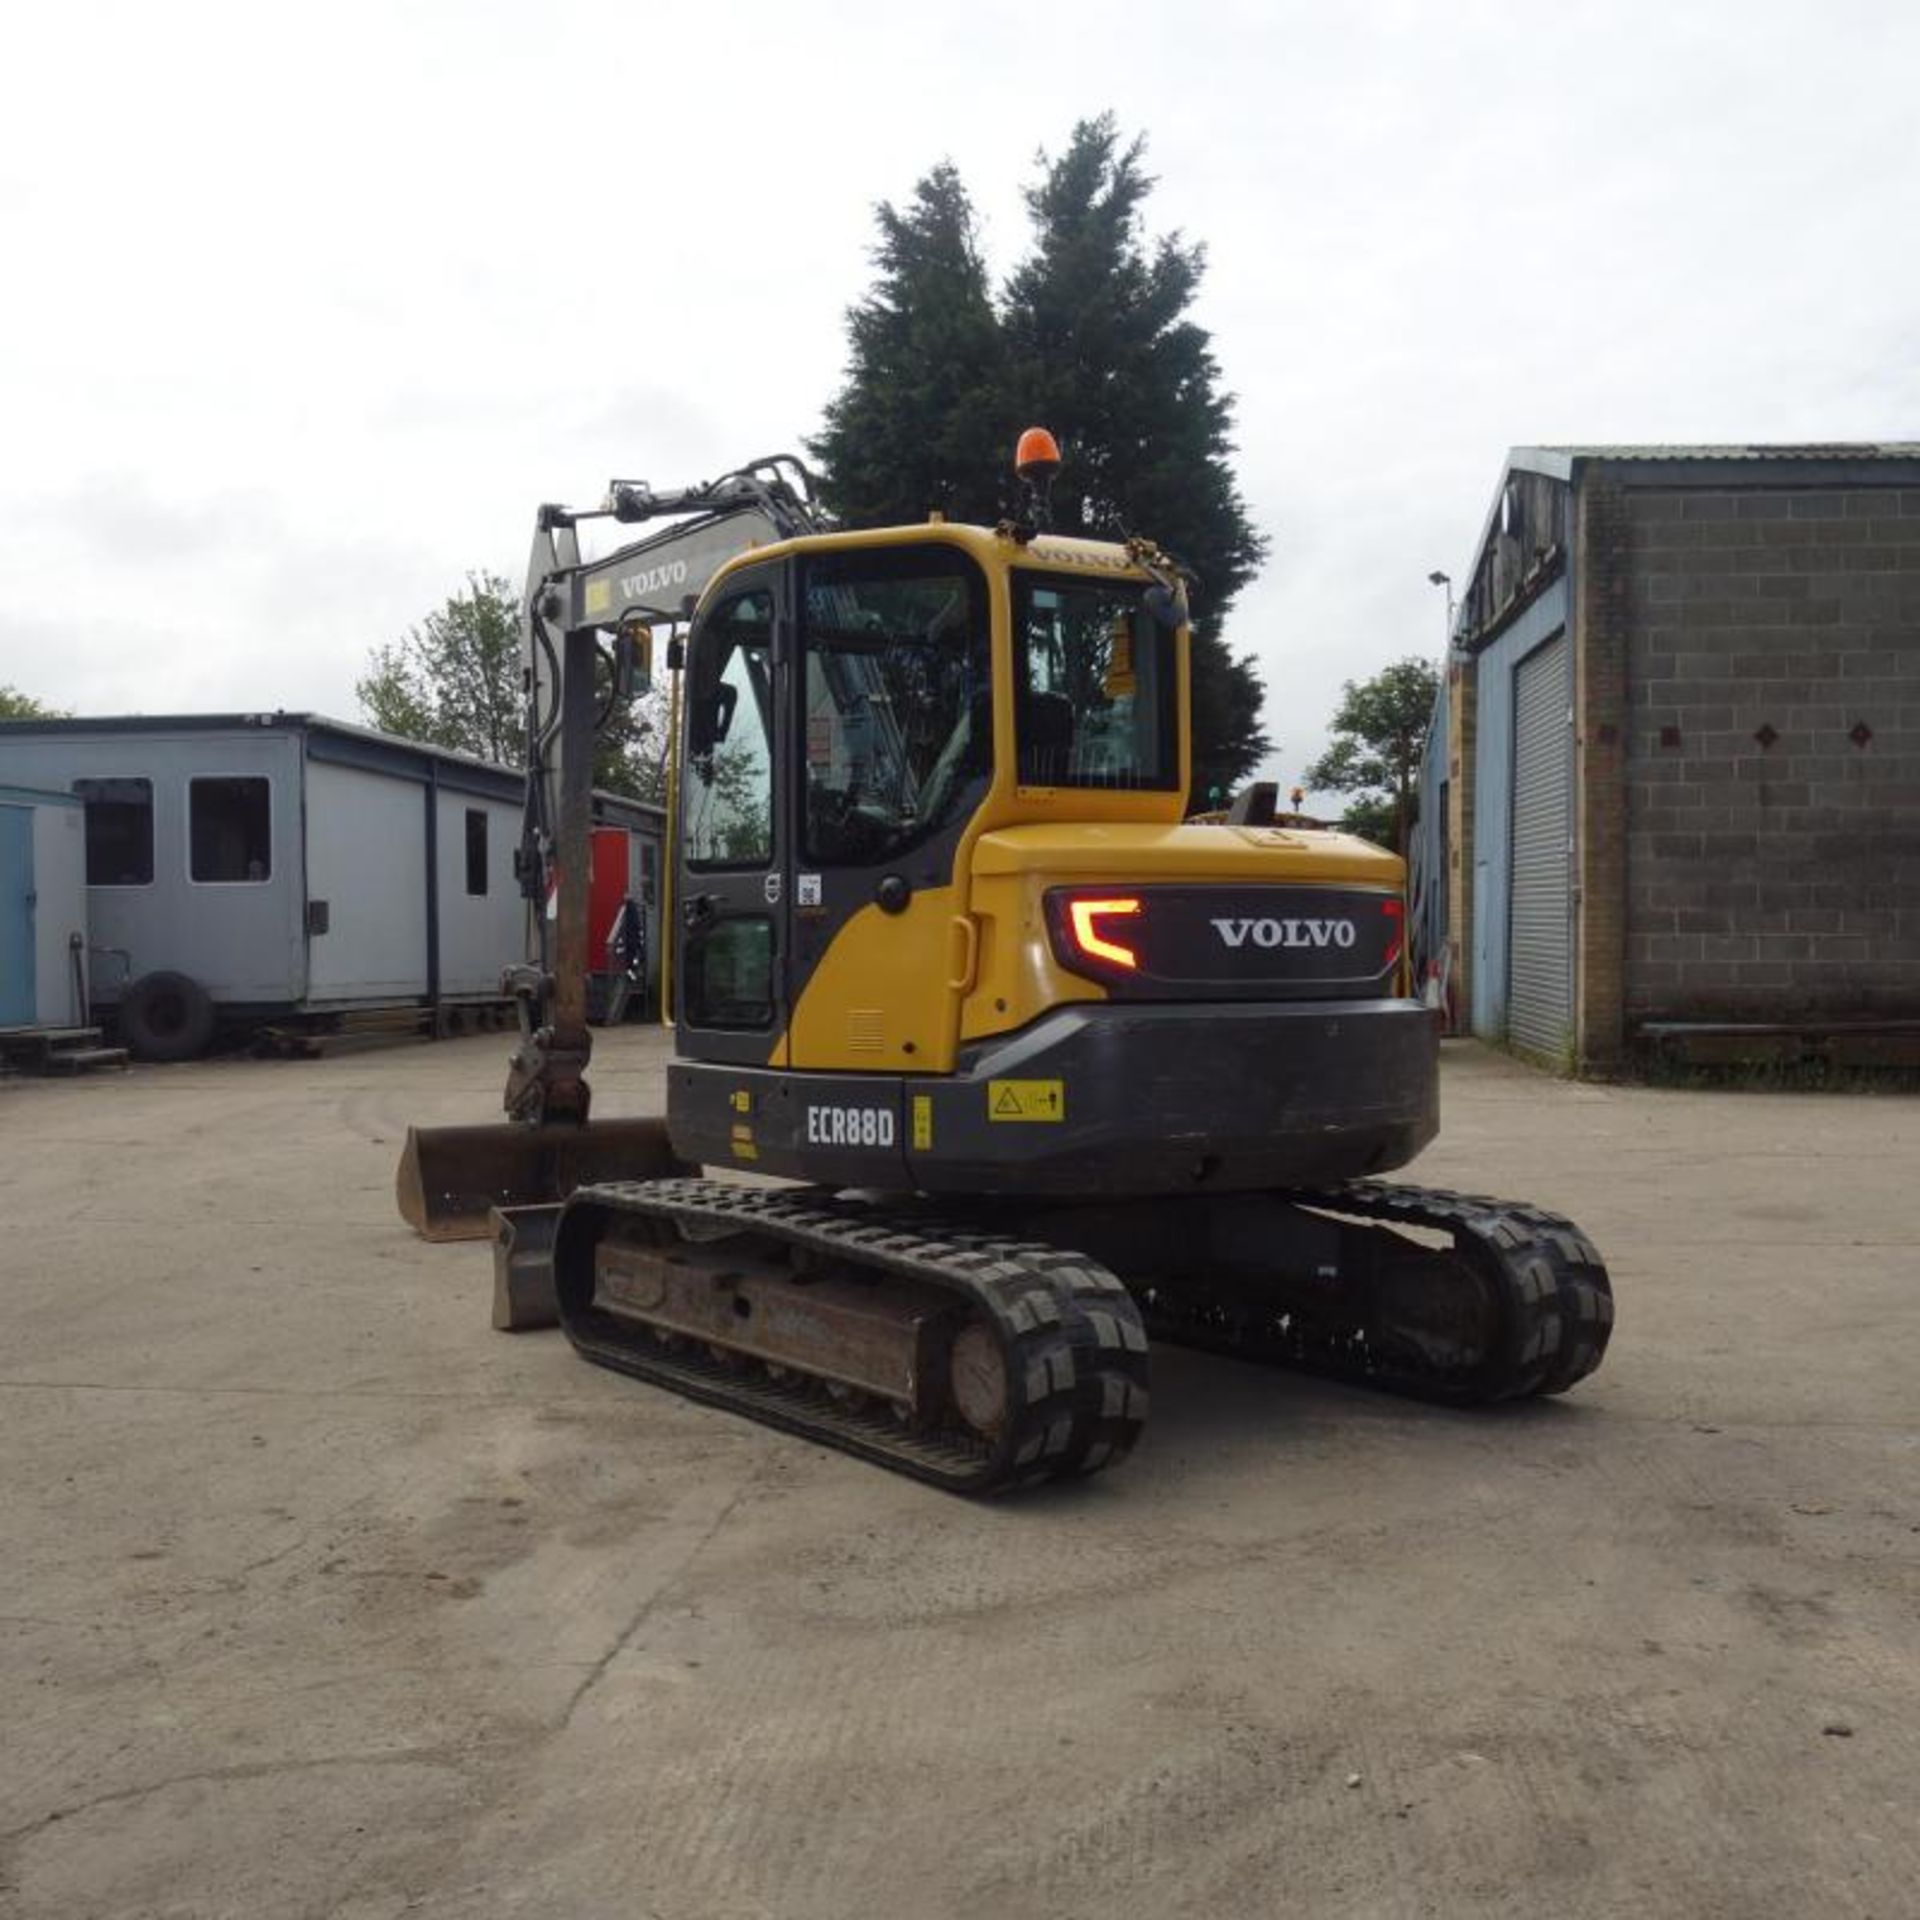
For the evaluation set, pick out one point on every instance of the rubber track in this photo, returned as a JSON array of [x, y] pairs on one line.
[[1556, 1302], [1075, 1347]]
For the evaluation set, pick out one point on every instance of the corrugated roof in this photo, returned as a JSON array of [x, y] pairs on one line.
[[282, 721], [1762, 450], [1558, 462], [1845, 461]]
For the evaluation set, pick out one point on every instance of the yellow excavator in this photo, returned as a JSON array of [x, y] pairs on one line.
[[1057, 1068]]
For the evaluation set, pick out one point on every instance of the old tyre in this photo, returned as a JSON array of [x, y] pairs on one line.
[[166, 1016]]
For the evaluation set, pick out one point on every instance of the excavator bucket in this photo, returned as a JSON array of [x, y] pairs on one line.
[[450, 1177]]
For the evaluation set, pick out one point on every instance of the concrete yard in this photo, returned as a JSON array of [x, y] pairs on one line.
[[318, 1597]]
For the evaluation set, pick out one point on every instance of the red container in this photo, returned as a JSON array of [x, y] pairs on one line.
[[612, 865]]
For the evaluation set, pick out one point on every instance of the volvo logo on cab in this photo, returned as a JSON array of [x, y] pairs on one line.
[[1287, 933]]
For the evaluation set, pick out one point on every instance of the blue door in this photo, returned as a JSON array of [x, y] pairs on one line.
[[16, 917]]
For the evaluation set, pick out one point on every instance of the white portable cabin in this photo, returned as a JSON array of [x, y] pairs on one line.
[[288, 864], [43, 910]]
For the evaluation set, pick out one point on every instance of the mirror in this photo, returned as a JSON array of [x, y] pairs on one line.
[[712, 719], [1167, 605], [632, 658]]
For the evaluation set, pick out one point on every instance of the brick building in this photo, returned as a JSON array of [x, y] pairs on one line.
[[1680, 780]]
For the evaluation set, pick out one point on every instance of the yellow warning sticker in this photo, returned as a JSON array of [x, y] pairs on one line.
[[922, 1122], [599, 596], [1026, 1099]]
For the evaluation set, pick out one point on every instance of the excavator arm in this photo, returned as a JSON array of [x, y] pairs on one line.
[[586, 628], [582, 650]]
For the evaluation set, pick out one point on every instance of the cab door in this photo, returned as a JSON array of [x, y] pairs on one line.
[[893, 750], [731, 897]]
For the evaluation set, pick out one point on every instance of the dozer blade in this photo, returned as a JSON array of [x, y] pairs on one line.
[[449, 1177]]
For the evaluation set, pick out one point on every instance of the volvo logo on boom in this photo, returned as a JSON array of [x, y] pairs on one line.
[[1286, 933], [669, 573]]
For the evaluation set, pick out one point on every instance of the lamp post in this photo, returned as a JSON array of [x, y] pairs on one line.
[[1439, 579]]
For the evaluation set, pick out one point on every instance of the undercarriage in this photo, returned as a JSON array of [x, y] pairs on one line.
[[993, 1346]]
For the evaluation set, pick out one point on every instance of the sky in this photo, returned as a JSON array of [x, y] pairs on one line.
[[307, 309]]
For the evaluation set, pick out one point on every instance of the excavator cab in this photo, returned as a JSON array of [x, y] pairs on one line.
[[820, 839], [933, 871]]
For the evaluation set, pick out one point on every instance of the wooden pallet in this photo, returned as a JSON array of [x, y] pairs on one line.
[[51, 1050]]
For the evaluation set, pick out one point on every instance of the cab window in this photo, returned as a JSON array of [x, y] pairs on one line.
[[898, 717], [727, 787], [1095, 702]]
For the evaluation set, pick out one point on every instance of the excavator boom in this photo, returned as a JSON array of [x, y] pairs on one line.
[[584, 625]]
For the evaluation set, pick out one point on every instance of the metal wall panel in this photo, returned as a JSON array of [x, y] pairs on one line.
[[1492, 799], [1540, 930], [480, 934], [367, 859], [243, 940], [60, 912], [17, 973]]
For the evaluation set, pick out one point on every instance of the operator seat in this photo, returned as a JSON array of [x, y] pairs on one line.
[[1046, 728]]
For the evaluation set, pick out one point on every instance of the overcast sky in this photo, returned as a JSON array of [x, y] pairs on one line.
[[306, 309]]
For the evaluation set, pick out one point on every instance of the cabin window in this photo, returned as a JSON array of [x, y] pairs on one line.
[[476, 850], [899, 693], [1095, 702], [729, 973], [229, 830], [119, 831], [726, 782]]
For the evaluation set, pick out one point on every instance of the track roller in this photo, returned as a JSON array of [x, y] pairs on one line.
[[1514, 1303], [966, 1359]]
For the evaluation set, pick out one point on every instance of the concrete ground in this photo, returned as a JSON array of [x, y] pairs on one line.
[[317, 1597]]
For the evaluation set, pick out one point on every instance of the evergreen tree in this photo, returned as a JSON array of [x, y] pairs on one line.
[[1102, 350], [1092, 338], [922, 422]]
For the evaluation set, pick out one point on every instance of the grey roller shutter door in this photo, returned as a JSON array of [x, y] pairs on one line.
[[1540, 936]]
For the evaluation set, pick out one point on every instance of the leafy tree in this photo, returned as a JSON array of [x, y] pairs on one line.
[[1372, 818], [454, 681], [631, 757], [1379, 734], [734, 804], [15, 705], [1091, 335]]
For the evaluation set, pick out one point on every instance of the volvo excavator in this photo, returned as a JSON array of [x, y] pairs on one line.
[[1026, 1068]]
